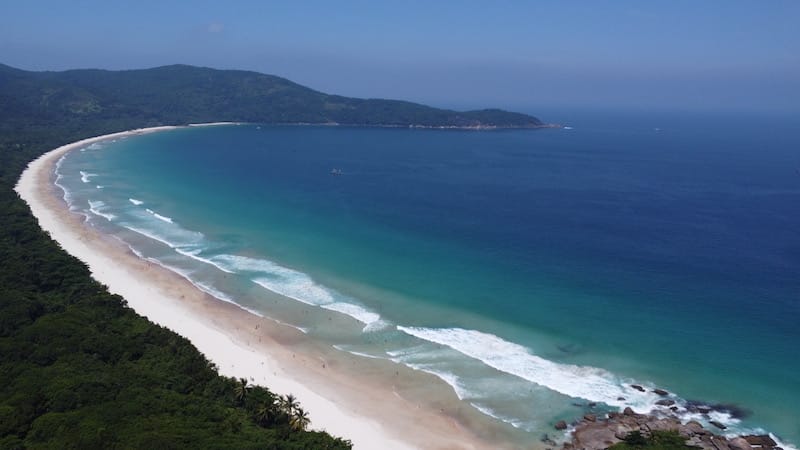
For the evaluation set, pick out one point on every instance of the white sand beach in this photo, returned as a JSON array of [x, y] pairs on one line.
[[372, 413]]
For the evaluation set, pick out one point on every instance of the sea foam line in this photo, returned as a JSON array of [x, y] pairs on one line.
[[585, 382], [159, 216], [86, 177], [291, 284], [96, 207]]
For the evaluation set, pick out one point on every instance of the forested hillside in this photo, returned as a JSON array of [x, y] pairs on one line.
[[78, 368], [173, 94]]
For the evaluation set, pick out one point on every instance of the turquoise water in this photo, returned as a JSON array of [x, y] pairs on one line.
[[533, 271]]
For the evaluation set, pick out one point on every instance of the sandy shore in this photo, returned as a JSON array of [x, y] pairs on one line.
[[345, 395]]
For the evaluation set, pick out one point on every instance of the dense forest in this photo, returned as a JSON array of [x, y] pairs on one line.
[[185, 94]]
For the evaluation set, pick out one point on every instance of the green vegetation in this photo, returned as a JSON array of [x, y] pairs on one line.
[[184, 94], [658, 440]]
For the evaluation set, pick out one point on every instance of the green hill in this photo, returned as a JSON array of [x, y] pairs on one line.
[[178, 94]]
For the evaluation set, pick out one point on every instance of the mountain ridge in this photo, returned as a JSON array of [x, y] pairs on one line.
[[170, 94]]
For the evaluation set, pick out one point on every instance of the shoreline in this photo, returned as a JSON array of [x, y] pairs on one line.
[[344, 395]]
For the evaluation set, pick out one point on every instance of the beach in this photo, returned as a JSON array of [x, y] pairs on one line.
[[373, 404]]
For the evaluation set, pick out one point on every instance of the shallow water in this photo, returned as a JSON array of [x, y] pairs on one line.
[[533, 271]]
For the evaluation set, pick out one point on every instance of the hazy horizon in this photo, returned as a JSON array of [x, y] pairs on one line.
[[714, 56]]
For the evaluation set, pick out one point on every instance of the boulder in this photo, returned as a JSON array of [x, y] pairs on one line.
[[720, 443], [665, 402], [561, 425], [764, 441], [638, 388], [628, 411], [739, 443], [661, 392], [590, 417], [695, 427], [696, 441]]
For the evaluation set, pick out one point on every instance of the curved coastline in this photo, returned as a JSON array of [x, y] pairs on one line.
[[241, 344]]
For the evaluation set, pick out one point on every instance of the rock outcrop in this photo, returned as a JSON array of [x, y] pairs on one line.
[[595, 433]]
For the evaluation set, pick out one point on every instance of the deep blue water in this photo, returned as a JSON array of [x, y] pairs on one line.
[[661, 249]]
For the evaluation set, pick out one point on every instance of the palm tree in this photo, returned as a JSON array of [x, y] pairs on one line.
[[289, 404], [265, 413], [299, 420], [240, 390]]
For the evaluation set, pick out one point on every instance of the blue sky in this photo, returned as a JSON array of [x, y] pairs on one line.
[[705, 55]]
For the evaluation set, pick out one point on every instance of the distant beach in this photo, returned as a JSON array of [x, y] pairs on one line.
[[362, 408]]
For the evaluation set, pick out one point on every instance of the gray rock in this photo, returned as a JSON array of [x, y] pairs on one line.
[[695, 441], [638, 388], [695, 427], [717, 424], [720, 443], [764, 441], [661, 392], [628, 411], [739, 443], [590, 417], [666, 402], [561, 425]]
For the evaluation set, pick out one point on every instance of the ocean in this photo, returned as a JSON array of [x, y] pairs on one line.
[[539, 273]]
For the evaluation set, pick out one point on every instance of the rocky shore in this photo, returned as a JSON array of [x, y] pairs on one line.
[[595, 433]]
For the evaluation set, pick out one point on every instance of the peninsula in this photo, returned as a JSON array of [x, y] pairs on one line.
[[180, 94]]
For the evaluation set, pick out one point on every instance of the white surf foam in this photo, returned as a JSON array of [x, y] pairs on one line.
[[195, 254], [378, 325], [301, 289], [292, 284], [342, 348], [357, 312], [150, 235], [451, 379], [86, 177], [289, 283], [585, 382], [168, 233], [67, 196], [60, 161], [243, 264], [135, 202], [159, 216], [516, 423], [96, 207], [210, 290], [781, 444]]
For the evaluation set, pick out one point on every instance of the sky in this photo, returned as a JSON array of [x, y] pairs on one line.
[[710, 55]]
